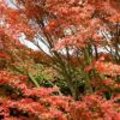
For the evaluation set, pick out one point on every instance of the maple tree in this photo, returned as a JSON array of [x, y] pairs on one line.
[[75, 32], [74, 27]]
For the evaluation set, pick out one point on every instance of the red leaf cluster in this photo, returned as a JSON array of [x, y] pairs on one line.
[[20, 101]]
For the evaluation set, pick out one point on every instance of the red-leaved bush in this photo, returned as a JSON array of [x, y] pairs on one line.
[[21, 101]]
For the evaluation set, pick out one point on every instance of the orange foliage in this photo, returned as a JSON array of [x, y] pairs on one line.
[[74, 31]]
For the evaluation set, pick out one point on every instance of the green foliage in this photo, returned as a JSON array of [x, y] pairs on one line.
[[43, 80]]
